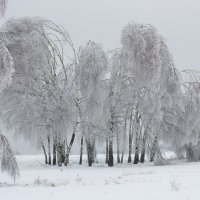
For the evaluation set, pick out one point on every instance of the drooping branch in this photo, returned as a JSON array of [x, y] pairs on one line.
[[7, 158]]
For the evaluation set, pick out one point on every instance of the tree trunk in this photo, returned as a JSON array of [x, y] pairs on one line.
[[95, 155], [136, 158], [70, 144], [49, 149], [191, 153], [54, 149], [110, 146], [44, 151], [154, 148], [130, 141], [124, 138], [110, 152], [122, 157], [63, 150], [60, 152], [142, 157], [90, 152], [117, 140], [81, 151], [107, 149], [130, 138]]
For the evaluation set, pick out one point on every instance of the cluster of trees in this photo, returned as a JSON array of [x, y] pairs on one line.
[[130, 100]]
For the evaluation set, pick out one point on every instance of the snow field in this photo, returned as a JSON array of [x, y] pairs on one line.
[[177, 181]]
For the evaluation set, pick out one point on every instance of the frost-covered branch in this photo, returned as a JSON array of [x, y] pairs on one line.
[[7, 158]]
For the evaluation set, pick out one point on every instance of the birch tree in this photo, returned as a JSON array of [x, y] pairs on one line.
[[92, 63], [152, 69]]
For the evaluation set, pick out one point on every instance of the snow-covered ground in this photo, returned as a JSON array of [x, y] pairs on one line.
[[177, 181]]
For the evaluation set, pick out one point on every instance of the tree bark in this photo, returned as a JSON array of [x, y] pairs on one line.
[[136, 158], [130, 138], [107, 149], [44, 151], [70, 144], [142, 157], [81, 151], [49, 149], [153, 149], [110, 147], [60, 152], [110, 152], [90, 152], [124, 138], [54, 149], [130, 141], [117, 140]]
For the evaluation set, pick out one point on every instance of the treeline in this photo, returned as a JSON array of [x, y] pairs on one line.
[[132, 98]]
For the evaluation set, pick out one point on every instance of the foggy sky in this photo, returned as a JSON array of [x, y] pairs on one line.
[[102, 20]]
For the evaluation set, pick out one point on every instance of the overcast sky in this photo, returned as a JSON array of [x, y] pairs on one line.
[[102, 20]]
